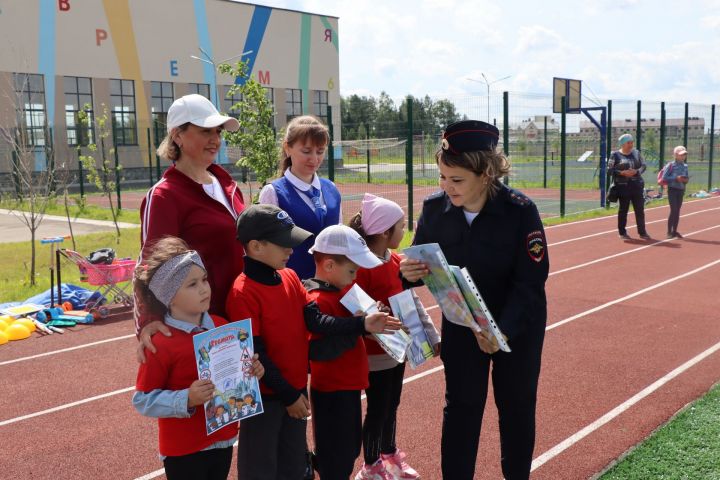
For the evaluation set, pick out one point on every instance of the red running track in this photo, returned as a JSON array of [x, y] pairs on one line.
[[632, 338]]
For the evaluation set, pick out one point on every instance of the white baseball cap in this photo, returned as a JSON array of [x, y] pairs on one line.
[[343, 240], [199, 111]]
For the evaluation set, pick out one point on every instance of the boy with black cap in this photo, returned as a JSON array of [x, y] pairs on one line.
[[272, 446]]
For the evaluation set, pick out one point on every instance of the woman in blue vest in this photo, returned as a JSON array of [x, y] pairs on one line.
[[312, 202]]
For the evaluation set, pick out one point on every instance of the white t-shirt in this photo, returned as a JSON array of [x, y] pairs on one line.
[[470, 216], [215, 191]]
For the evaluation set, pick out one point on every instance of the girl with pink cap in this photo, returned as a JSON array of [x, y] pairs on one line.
[[381, 223]]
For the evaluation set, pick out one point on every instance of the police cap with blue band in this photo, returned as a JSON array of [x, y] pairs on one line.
[[470, 136]]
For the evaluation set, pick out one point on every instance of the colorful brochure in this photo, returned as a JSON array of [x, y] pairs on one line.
[[403, 307], [453, 296], [395, 344], [224, 355], [477, 305]]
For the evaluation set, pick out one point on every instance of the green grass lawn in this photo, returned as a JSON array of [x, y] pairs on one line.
[[77, 208], [687, 447], [15, 264]]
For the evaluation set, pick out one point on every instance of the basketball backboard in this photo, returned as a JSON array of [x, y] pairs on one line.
[[571, 90]]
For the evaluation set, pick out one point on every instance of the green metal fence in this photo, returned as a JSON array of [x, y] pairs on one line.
[[394, 155]]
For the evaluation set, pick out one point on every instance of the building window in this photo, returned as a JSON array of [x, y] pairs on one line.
[[229, 100], [320, 103], [124, 115], [201, 89], [78, 97], [293, 102], [161, 99], [30, 92]]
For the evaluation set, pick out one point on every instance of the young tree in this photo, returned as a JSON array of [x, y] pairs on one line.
[[102, 177], [256, 137], [30, 141]]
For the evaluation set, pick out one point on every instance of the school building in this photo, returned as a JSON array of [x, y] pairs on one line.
[[134, 57]]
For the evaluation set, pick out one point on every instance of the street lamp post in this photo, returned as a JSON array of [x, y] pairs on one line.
[[209, 60], [487, 84]]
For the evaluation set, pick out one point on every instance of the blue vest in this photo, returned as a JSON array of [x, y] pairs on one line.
[[304, 217]]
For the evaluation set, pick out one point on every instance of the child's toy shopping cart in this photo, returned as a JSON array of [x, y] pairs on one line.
[[112, 279]]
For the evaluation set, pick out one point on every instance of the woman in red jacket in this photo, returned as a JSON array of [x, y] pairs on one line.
[[195, 200]]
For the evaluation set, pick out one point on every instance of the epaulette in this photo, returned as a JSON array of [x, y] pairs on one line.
[[435, 196], [518, 198]]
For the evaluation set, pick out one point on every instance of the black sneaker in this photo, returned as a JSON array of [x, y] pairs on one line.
[[670, 235], [677, 235], [625, 236], [645, 236]]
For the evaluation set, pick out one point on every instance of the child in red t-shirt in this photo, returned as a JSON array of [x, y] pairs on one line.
[[173, 282], [339, 374], [273, 445], [381, 223]]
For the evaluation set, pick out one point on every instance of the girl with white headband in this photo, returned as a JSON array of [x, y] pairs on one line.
[[381, 223], [173, 282]]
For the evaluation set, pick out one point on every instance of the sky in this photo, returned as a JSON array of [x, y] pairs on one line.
[[654, 50]]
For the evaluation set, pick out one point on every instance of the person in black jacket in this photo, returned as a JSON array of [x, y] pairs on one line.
[[497, 234], [626, 166]]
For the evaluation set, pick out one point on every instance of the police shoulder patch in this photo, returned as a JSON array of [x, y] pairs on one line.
[[535, 244]]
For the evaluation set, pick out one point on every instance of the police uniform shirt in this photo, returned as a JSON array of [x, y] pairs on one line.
[[504, 249]]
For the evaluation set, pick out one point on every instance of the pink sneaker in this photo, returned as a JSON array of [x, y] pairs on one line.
[[397, 468], [376, 471]]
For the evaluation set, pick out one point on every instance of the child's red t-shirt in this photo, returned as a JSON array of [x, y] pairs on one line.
[[350, 370], [277, 314], [380, 283], [173, 367]]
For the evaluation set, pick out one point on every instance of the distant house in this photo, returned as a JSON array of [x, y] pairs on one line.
[[533, 128], [674, 127]]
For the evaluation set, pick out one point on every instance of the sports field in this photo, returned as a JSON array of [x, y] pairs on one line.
[[622, 355]]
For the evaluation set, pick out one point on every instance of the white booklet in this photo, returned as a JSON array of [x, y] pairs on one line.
[[395, 344], [477, 305], [458, 297], [404, 308]]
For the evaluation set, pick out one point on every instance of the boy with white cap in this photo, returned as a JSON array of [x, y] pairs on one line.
[[340, 372], [381, 223]]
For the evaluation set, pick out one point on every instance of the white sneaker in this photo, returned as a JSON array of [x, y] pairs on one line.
[[376, 471]]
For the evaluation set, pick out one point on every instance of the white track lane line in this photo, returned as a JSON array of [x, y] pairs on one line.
[[560, 225], [66, 406], [7, 362], [414, 377], [614, 230], [69, 349], [632, 295], [615, 412], [627, 252]]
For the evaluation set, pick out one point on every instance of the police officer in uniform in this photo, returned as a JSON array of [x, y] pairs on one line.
[[497, 234]]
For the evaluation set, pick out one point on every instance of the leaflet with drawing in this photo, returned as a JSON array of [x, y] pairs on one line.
[[395, 344], [404, 309], [224, 356], [442, 284], [477, 305], [457, 295]]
